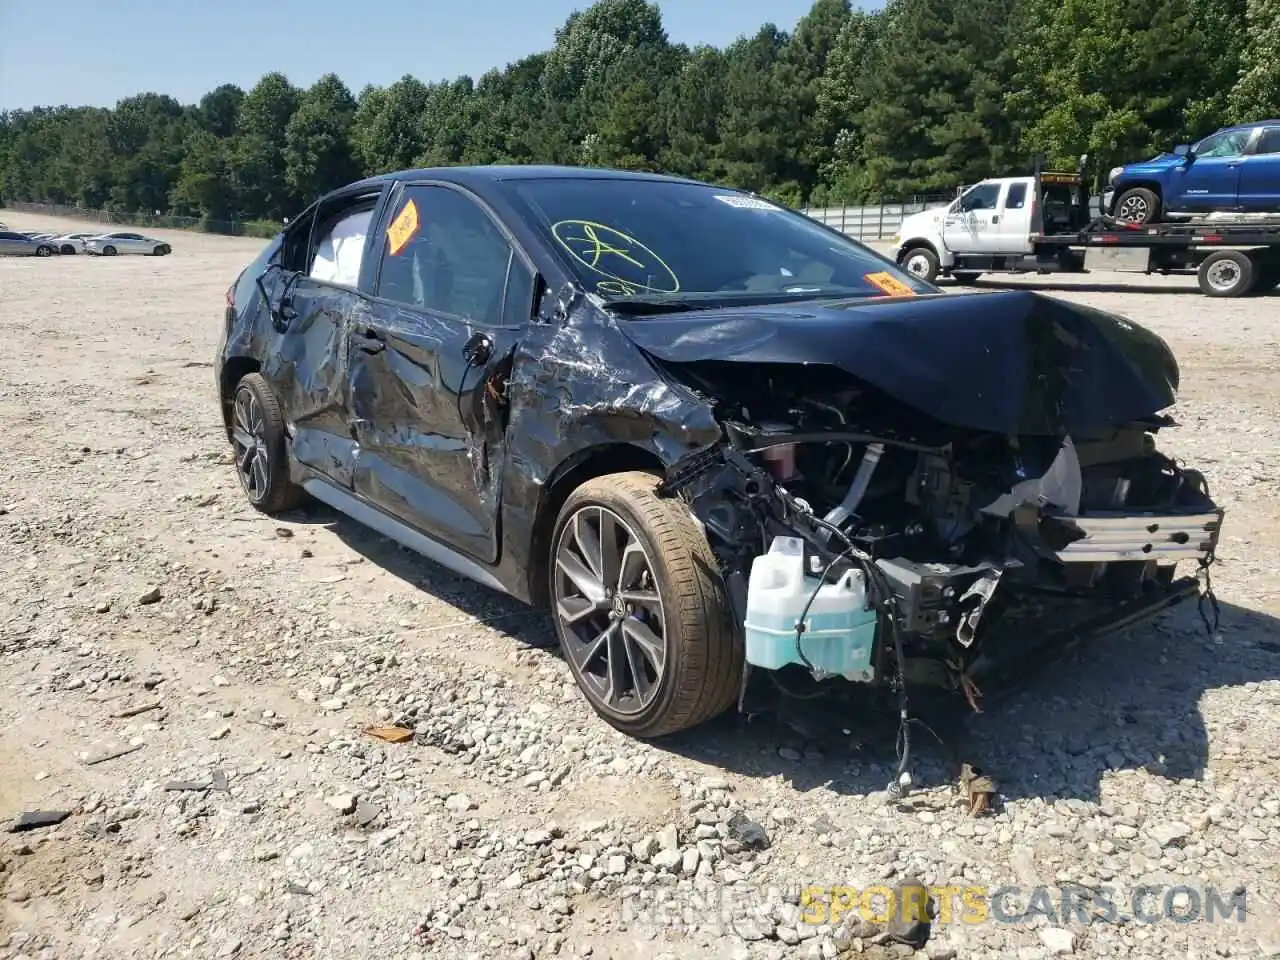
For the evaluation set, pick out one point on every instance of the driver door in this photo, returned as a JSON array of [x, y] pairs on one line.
[[1209, 182], [428, 361], [970, 222]]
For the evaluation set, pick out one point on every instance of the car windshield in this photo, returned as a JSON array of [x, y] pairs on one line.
[[666, 242]]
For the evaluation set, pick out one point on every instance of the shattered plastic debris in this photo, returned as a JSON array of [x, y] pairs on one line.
[[35, 819], [390, 734]]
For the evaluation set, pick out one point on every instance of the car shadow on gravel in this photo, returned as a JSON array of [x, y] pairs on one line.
[[527, 625], [1124, 702], [1131, 700]]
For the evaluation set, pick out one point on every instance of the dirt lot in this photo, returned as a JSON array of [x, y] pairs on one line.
[[250, 654]]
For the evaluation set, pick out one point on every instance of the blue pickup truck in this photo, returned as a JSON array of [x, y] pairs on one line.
[[1235, 170]]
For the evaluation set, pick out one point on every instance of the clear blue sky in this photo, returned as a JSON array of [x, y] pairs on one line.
[[94, 52]]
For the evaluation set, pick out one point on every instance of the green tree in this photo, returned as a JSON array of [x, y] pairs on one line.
[[1256, 95], [258, 159], [317, 154]]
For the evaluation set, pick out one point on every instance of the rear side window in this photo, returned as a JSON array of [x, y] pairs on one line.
[[1269, 142], [1017, 197]]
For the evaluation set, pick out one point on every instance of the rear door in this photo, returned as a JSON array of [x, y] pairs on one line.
[[428, 360], [12, 244], [313, 301], [1260, 174], [1011, 225]]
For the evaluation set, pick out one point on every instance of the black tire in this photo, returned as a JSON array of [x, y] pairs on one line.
[[1226, 273], [702, 657], [965, 278], [269, 490], [108, 251], [1137, 205], [161, 250], [68, 250], [920, 262], [44, 250]]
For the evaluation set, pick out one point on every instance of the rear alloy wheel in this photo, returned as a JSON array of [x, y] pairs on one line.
[[1138, 205], [639, 610], [258, 440], [921, 262], [68, 250]]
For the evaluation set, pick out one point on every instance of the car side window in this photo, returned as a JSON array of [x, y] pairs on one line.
[[1017, 196], [339, 253], [443, 254], [981, 197], [1269, 142], [1230, 144]]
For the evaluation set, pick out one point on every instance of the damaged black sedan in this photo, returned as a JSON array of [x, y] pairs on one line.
[[717, 439]]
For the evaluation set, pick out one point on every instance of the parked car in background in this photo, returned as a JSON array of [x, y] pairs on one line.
[[111, 244], [73, 243], [1236, 170], [20, 245]]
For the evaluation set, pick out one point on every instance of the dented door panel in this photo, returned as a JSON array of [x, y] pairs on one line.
[[308, 370], [421, 456]]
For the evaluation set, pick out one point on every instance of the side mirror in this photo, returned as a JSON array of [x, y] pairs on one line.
[[1183, 150]]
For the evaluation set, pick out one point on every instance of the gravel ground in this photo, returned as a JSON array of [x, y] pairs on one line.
[[238, 660]]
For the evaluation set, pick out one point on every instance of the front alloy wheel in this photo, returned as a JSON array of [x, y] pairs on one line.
[[610, 610], [639, 608]]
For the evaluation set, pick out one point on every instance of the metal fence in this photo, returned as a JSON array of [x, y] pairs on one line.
[[874, 221], [231, 228]]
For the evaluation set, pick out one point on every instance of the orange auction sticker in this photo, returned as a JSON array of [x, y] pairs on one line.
[[889, 284], [402, 228]]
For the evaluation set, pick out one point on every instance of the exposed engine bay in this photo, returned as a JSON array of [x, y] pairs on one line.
[[975, 546]]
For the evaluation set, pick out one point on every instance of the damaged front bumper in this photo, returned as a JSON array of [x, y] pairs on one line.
[[955, 625]]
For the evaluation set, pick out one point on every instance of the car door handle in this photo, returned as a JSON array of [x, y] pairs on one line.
[[371, 342], [996, 218]]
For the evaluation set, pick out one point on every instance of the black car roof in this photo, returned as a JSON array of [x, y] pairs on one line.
[[499, 172]]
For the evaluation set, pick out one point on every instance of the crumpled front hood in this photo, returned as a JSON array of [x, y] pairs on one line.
[[1010, 362]]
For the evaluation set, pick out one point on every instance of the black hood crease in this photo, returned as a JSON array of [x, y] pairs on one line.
[[1010, 362]]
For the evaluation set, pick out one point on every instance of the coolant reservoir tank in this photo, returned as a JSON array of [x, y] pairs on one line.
[[839, 634]]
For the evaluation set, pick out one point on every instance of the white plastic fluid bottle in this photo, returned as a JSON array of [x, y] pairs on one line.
[[839, 634]]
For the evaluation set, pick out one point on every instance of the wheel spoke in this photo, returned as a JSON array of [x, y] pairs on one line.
[[585, 580], [587, 653], [648, 599], [643, 642], [573, 610], [242, 438], [632, 567], [260, 471], [637, 666], [588, 541], [616, 665], [610, 550]]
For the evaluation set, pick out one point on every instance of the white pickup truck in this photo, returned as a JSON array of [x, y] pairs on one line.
[[994, 225], [1043, 224]]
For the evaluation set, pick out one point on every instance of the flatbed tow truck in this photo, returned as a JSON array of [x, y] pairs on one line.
[[1042, 224]]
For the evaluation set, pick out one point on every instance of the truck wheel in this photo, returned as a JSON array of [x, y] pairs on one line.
[[1138, 205], [1226, 273], [921, 262], [639, 608], [965, 279], [1266, 278]]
